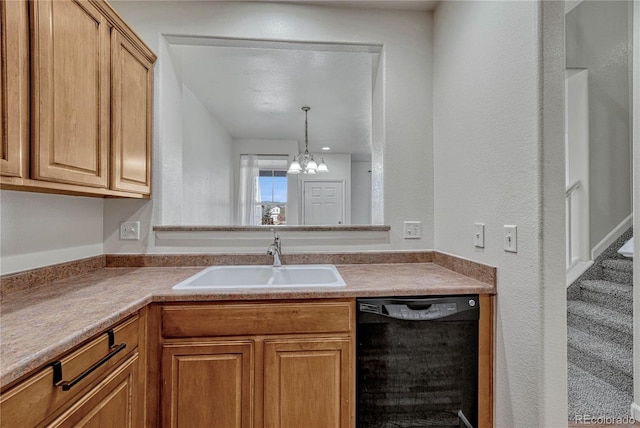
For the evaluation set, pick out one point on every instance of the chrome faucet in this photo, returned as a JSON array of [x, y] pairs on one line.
[[275, 249]]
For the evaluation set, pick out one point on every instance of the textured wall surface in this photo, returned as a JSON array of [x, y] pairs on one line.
[[407, 99], [491, 160], [40, 229], [491, 163], [597, 34], [207, 178]]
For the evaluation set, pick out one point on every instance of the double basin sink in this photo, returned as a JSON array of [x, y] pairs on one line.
[[260, 276]]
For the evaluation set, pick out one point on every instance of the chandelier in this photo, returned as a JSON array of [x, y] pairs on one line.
[[304, 162]]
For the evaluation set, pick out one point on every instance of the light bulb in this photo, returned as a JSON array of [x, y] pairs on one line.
[[312, 165], [323, 166], [295, 167]]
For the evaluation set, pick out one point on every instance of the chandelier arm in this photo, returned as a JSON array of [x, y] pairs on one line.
[[305, 162]]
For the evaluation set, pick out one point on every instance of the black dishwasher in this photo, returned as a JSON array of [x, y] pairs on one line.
[[417, 362]]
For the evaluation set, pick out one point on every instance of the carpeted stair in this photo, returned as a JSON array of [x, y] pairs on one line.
[[600, 337]]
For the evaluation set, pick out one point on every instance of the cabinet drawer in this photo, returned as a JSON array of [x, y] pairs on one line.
[[257, 319], [112, 403], [32, 401]]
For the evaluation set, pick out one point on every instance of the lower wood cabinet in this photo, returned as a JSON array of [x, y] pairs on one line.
[[297, 371], [284, 364], [99, 384], [114, 402], [307, 382], [208, 384]]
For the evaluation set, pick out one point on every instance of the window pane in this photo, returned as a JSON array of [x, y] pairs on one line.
[[266, 188], [280, 188], [273, 192]]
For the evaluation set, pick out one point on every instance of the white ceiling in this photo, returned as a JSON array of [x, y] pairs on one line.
[[256, 89], [425, 5], [381, 4]]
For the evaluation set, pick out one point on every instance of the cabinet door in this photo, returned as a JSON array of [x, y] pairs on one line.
[[116, 402], [70, 90], [131, 117], [14, 88], [207, 384], [308, 383]]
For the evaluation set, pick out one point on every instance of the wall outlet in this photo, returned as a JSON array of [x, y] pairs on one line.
[[412, 229], [130, 230], [510, 238], [478, 235]]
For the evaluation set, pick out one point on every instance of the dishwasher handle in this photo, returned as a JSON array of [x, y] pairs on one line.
[[426, 309], [431, 312]]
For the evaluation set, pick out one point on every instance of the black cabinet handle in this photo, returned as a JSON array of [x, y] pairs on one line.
[[57, 365]]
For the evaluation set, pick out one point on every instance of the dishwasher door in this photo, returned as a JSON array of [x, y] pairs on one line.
[[417, 362]]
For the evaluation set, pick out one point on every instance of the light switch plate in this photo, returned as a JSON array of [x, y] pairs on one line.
[[510, 238], [130, 230], [478, 235]]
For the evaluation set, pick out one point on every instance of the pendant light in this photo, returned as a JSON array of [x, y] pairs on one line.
[[304, 162]]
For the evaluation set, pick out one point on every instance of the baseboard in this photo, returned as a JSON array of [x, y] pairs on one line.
[[577, 270], [611, 237], [635, 411]]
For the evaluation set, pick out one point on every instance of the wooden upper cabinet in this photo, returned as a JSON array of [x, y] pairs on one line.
[[70, 90], [14, 88], [75, 100], [132, 77]]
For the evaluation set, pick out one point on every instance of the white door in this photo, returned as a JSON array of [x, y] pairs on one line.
[[323, 202]]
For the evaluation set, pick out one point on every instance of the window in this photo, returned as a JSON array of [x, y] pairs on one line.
[[271, 195]]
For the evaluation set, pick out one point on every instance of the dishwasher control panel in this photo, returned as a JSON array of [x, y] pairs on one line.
[[421, 309]]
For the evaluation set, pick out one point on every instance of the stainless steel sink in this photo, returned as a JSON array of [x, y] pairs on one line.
[[259, 276]]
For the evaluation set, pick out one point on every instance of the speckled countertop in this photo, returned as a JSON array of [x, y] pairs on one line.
[[38, 324]]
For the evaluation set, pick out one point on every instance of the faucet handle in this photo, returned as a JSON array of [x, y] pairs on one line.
[[276, 240]]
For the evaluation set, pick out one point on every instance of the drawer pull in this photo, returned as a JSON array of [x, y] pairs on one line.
[[57, 365]]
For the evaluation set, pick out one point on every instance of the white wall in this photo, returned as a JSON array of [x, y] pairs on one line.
[[407, 133], [598, 40], [361, 192], [378, 146], [491, 158], [167, 144], [493, 163], [39, 229], [207, 165]]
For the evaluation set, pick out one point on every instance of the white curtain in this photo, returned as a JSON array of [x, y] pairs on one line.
[[249, 206]]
